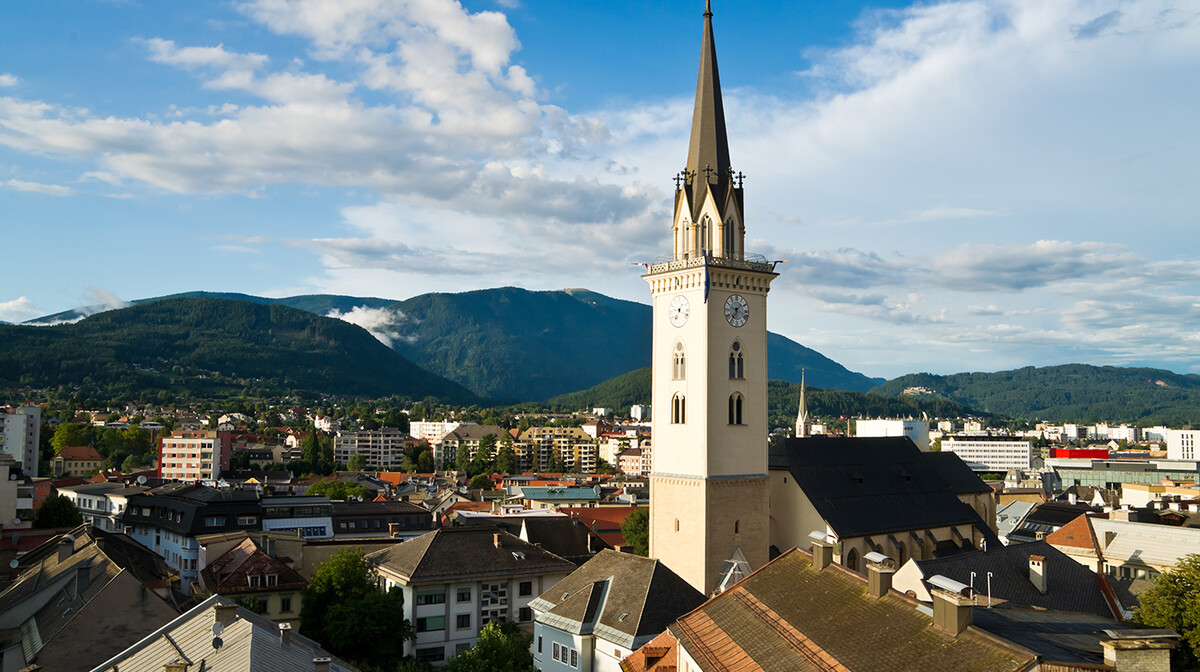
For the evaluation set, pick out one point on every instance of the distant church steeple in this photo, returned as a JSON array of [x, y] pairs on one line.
[[802, 412], [708, 199]]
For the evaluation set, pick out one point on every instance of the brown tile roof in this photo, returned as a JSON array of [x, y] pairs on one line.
[[658, 655], [1075, 534], [79, 453], [229, 574], [788, 616]]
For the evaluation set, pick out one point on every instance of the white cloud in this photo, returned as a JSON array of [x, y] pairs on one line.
[[380, 322], [17, 310], [38, 188], [7, 79]]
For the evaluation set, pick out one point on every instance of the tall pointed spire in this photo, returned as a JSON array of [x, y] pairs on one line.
[[708, 153], [802, 412]]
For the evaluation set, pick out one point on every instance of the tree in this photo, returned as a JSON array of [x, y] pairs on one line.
[[480, 482], [462, 458], [70, 434], [501, 647], [506, 460], [1174, 602], [344, 609], [335, 489], [425, 462], [57, 511], [357, 463], [636, 530], [556, 463]]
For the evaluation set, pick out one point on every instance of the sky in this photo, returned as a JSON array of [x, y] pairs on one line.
[[971, 185]]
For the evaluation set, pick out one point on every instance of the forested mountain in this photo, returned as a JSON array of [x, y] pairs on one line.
[[1067, 393], [179, 348], [783, 400], [321, 304]]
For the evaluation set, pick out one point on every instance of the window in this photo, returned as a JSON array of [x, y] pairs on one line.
[[679, 362], [678, 410], [214, 521], [462, 621], [735, 408], [285, 604], [539, 643], [557, 650], [852, 560], [431, 623], [247, 520], [525, 615], [736, 366], [272, 579], [254, 579], [574, 658], [525, 589], [432, 655], [464, 594], [431, 597]]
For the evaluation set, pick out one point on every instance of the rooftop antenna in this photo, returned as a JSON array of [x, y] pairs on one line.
[[989, 584]]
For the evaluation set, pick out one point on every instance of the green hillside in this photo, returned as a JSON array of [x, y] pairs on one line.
[[1068, 393], [178, 348], [782, 401], [321, 304]]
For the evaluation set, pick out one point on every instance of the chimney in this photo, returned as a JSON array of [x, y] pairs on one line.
[[1138, 655], [879, 577], [952, 604], [1037, 572], [394, 529], [225, 613], [66, 547], [496, 540], [321, 664], [175, 666], [285, 634], [264, 544], [822, 552]]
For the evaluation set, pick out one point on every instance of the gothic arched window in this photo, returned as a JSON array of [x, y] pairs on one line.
[[737, 367], [852, 560], [735, 408], [678, 409], [679, 362]]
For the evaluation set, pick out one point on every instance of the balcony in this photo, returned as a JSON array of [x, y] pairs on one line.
[[747, 262]]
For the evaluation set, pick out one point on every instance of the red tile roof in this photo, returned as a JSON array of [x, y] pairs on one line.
[[80, 453], [1075, 534]]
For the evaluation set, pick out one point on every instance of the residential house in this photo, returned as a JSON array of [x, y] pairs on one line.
[[456, 580], [102, 504], [169, 518], [604, 521], [194, 455], [1046, 518], [469, 436], [576, 451], [381, 449], [76, 461], [217, 634], [59, 612], [606, 609], [256, 579], [380, 519]]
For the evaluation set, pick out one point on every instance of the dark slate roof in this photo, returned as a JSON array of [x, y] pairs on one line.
[[788, 616], [191, 503], [1056, 636], [1070, 585], [877, 485], [459, 553], [624, 598], [956, 473], [565, 537], [1057, 513]]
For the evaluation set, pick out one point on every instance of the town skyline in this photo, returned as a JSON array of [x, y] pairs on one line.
[[961, 186]]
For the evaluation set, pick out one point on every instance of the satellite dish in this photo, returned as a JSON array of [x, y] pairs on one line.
[[217, 628], [14, 564], [217, 643], [141, 480]]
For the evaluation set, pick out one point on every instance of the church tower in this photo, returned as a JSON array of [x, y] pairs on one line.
[[709, 489]]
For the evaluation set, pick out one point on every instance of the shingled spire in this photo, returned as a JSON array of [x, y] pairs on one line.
[[708, 154]]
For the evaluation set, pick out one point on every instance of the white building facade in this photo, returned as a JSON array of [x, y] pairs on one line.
[[993, 453], [917, 430], [21, 435]]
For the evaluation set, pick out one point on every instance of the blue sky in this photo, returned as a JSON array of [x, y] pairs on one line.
[[967, 185]]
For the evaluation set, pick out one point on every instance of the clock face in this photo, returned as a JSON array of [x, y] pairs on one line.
[[737, 311], [679, 311]]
